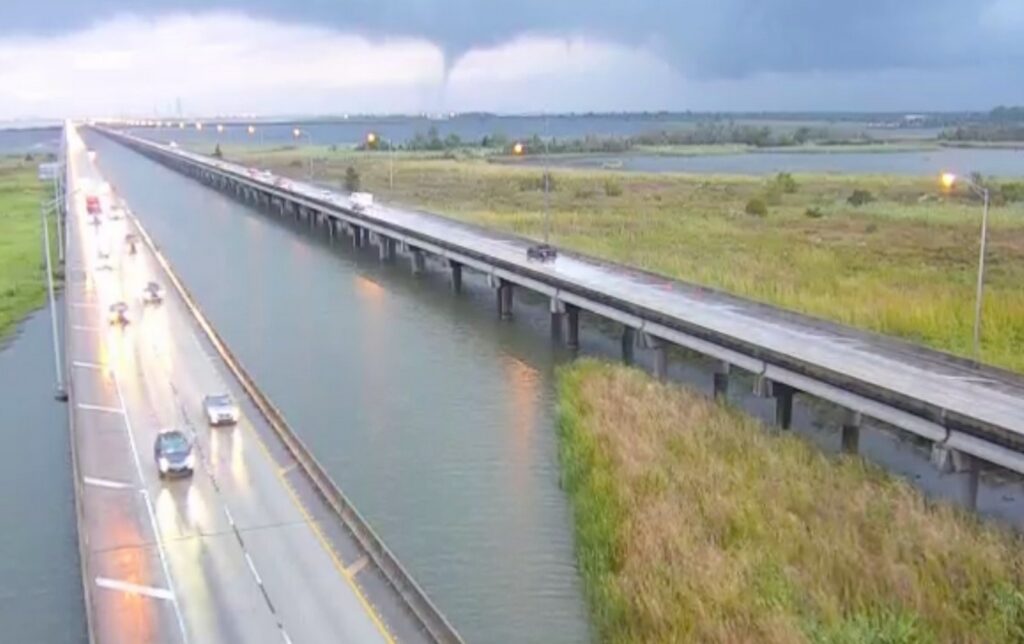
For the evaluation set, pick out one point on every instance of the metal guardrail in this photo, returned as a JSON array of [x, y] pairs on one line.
[[83, 546], [434, 623]]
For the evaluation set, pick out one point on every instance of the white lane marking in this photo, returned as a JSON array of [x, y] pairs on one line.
[[284, 636], [135, 589], [149, 508], [83, 305], [231, 519], [81, 327], [109, 410], [252, 567], [87, 365], [114, 485]]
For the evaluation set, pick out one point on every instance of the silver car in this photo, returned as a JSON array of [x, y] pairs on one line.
[[173, 453], [220, 409]]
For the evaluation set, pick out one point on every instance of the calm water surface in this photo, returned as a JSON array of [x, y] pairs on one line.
[[40, 580]]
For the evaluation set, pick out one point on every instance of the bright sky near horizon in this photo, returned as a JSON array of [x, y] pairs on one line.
[[129, 57]]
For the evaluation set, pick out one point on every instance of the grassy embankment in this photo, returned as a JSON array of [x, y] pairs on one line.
[[21, 274], [695, 524], [903, 264]]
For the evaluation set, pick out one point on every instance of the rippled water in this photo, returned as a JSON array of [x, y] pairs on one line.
[[40, 580]]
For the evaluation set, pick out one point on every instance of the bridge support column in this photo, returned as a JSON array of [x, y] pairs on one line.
[[720, 384], [386, 248], [417, 260], [504, 299], [456, 269], [628, 345], [951, 461], [972, 475], [657, 345], [783, 404], [357, 236], [557, 308], [849, 437], [572, 326]]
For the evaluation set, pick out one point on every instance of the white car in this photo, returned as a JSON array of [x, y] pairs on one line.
[[116, 213], [220, 409]]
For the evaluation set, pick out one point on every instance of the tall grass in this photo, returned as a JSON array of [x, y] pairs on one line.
[[693, 523], [902, 265], [21, 273]]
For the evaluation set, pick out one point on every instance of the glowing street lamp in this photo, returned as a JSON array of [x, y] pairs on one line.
[[181, 126], [251, 129], [373, 142], [949, 181], [518, 149], [297, 133], [199, 125], [220, 128]]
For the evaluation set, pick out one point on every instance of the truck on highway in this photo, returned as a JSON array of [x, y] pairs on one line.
[[360, 200], [92, 205]]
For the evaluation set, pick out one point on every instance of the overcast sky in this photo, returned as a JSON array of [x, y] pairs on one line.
[[139, 57]]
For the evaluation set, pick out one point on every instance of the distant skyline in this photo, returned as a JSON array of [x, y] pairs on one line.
[[266, 57]]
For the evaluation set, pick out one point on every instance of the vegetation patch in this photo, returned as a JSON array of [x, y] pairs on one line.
[[21, 271], [694, 523]]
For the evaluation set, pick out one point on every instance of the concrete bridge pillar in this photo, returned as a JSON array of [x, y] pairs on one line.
[[628, 345], [720, 384], [386, 246], [557, 308], [456, 275], [783, 404], [357, 236], [849, 437], [417, 261], [504, 299], [572, 326], [951, 461], [657, 345]]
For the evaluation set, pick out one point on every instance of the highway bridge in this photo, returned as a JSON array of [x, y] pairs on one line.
[[971, 413], [258, 545]]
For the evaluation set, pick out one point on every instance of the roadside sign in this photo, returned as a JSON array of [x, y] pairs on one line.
[[48, 171]]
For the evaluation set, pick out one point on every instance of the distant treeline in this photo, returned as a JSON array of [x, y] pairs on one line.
[[703, 133], [989, 132]]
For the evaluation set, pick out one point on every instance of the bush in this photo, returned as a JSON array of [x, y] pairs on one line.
[[814, 213], [757, 207], [1013, 191], [217, 152], [612, 188], [785, 182], [352, 179], [860, 197], [773, 196]]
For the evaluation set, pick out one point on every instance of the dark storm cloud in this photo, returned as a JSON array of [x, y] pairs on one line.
[[710, 39]]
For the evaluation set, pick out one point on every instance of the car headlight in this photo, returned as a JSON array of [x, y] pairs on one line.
[[162, 464], [190, 460]]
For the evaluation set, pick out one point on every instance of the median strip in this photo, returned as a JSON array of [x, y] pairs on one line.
[[134, 589]]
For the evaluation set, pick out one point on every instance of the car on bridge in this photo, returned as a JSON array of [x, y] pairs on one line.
[[220, 409], [152, 293], [103, 255], [119, 314], [92, 205], [116, 212], [174, 453]]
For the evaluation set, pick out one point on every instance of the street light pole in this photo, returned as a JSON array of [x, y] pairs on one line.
[[299, 133], [979, 291], [949, 179], [60, 393], [547, 180]]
